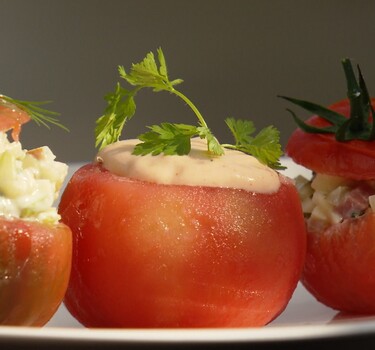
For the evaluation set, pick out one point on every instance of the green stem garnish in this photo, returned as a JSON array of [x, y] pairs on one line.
[[36, 113], [175, 138], [358, 126]]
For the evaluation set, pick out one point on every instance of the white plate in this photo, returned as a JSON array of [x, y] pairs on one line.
[[304, 319]]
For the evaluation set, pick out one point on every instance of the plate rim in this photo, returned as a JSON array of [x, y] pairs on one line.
[[360, 326]]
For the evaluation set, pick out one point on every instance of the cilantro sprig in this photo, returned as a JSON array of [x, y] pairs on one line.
[[358, 126], [175, 138], [36, 113]]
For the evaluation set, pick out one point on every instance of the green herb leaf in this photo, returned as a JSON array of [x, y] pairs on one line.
[[148, 74], [38, 114], [121, 108], [265, 146], [213, 145], [166, 138], [169, 138], [241, 130]]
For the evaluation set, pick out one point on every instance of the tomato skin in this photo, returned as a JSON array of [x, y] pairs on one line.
[[340, 262], [148, 255], [35, 261], [321, 153], [340, 259]]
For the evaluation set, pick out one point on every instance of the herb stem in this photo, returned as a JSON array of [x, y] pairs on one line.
[[191, 105], [229, 146]]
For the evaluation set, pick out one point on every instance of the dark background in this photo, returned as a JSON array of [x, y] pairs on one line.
[[235, 57]]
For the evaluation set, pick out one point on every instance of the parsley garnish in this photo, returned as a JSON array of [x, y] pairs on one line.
[[38, 114], [175, 138], [265, 145], [358, 126]]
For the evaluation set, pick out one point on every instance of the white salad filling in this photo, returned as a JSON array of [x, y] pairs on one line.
[[234, 169], [29, 182], [328, 200]]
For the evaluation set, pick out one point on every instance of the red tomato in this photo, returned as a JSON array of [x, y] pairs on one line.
[[149, 255], [340, 264], [323, 154], [340, 261], [35, 262]]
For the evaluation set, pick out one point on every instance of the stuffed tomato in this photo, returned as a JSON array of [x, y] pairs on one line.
[[35, 248], [338, 146], [174, 229], [163, 241]]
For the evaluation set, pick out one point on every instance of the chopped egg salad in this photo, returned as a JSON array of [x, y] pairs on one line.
[[30, 181], [328, 200]]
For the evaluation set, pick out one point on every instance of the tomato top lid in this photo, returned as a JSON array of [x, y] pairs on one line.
[[338, 140]]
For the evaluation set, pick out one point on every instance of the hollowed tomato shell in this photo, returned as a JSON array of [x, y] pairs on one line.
[[35, 262], [150, 255]]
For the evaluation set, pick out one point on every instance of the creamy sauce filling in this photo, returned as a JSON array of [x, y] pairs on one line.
[[232, 170]]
